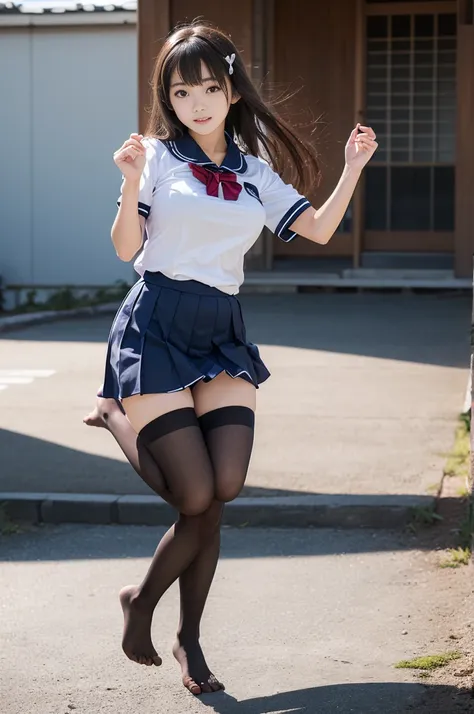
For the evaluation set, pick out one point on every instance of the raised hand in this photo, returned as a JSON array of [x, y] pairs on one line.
[[130, 158], [360, 147]]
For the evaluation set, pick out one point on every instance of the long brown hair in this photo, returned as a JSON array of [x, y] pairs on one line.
[[257, 128]]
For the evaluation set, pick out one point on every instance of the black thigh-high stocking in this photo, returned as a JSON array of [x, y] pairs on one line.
[[176, 443], [112, 416], [228, 433]]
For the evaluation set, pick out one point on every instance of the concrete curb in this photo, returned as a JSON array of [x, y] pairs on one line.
[[332, 511], [13, 322]]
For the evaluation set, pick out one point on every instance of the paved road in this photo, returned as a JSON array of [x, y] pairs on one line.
[[297, 621], [363, 399]]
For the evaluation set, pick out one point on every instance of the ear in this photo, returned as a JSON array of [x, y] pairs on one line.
[[235, 98]]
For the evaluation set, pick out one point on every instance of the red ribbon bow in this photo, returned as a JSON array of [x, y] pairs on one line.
[[230, 186]]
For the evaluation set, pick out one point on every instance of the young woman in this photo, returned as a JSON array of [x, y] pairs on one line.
[[179, 394]]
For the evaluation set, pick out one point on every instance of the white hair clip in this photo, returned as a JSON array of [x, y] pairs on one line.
[[230, 59]]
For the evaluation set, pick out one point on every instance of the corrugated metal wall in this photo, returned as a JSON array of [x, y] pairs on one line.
[[68, 100]]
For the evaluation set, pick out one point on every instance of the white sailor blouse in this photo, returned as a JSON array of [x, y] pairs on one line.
[[201, 218]]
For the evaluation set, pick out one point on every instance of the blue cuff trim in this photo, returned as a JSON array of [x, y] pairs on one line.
[[282, 230], [143, 209]]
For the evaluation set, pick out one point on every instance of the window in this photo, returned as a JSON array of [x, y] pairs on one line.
[[411, 103]]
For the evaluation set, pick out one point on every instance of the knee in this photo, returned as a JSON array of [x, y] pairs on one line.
[[204, 524], [228, 490], [196, 503]]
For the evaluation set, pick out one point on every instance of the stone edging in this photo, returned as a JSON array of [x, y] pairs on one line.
[[333, 511]]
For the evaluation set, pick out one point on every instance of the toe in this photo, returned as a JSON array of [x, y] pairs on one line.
[[192, 686], [214, 683]]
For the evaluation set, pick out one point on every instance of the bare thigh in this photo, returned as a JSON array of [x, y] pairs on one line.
[[223, 391], [141, 409], [181, 455]]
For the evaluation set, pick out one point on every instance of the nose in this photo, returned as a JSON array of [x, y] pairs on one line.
[[198, 105]]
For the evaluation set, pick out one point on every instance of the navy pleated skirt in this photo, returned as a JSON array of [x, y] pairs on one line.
[[170, 334]]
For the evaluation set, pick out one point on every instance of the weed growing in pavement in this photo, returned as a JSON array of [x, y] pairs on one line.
[[456, 557], [458, 458], [68, 298], [420, 517], [7, 526], [428, 662]]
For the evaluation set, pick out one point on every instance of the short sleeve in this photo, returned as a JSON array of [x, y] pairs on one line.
[[147, 180], [281, 201]]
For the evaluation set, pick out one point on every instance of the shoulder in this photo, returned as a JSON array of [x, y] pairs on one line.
[[154, 147], [260, 168]]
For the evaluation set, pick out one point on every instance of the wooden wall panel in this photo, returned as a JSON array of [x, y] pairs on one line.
[[234, 20], [315, 51], [153, 24], [464, 233]]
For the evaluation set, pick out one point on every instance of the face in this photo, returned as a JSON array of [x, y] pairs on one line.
[[202, 108]]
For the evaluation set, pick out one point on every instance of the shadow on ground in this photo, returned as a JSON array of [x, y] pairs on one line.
[[363, 698]]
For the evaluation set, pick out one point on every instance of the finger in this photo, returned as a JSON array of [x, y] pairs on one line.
[[365, 140], [353, 134], [137, 144], [127, 154], [368, 130], [366, 136], [130, 152]]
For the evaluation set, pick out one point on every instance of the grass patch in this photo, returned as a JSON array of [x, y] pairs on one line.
[[458, 458], [428, 662], [7, 526], [456, 558], [434, 488], [68, 298], [422, 517]]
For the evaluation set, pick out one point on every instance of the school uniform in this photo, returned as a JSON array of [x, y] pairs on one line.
[[182, 321]]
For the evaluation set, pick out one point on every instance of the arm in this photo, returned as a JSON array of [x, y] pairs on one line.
[[127, 230], [319, 225]]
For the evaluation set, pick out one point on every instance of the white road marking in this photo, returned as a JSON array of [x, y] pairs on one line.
[[15, 380], [26, 372], [22, 376]]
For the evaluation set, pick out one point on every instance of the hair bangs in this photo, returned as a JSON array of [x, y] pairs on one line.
[[186, 58]]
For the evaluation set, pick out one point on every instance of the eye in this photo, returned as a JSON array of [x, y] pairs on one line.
[[180, 93], [215, 88]]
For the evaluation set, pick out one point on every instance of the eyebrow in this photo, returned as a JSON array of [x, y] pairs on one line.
[[183, 84]]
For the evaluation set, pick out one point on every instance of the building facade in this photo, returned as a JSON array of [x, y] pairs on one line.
[[407, 69]]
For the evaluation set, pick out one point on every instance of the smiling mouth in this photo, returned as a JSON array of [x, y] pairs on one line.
[[202, 121]]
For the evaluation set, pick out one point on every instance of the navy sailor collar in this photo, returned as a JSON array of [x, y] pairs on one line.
[[186, 149]]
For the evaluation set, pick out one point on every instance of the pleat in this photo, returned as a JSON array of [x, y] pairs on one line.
[[167, 337], [113, 366]]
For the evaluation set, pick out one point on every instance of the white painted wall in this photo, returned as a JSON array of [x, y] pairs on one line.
[[68, 100]]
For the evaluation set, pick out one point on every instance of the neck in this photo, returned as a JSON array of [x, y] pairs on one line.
[[214, 144]]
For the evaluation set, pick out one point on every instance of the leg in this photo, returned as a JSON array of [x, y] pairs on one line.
[[174, 441], [214, 402], [109, 413]]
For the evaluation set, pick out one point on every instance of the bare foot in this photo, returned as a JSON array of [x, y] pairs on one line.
[[197, 677], [99, 415], [136, 641]]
